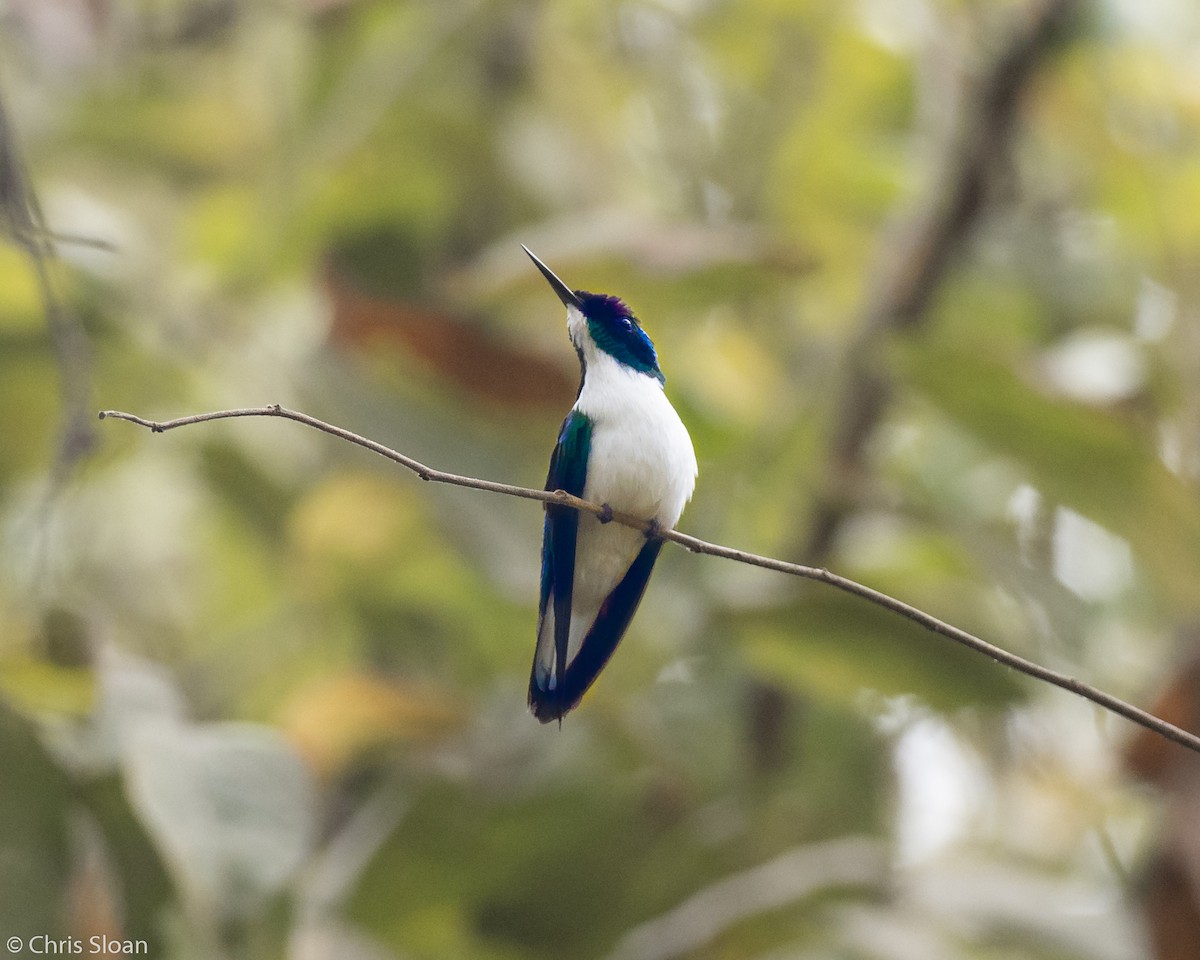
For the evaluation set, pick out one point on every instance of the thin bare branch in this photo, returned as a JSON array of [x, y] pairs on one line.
[[21, 218], [696, 545]]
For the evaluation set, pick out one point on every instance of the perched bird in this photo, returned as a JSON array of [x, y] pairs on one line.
[[622, 446]]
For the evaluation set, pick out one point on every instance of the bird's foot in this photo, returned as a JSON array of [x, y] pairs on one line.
[[653, 529], [606, 513]]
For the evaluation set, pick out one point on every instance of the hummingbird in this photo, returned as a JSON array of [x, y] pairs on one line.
[[622, 446]]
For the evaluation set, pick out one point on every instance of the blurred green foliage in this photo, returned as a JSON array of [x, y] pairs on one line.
[[262, 694]]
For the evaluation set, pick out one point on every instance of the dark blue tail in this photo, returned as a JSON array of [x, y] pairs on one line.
[[601, 640]]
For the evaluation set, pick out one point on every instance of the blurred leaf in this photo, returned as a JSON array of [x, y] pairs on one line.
[[35, 685], [1094, 461], [456, 353], [231, 807], [144, 889], [131, 693], [28, 383], [257, 498], [450, 882], [33, 832], [835, 646], [335, 720], [225, 228], [356, 519], [192, 129], [20, 295]]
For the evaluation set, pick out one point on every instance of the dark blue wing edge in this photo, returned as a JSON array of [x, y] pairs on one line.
[[568, 471], [601, 640]]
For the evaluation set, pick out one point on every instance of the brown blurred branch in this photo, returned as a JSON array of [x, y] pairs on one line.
[[696, 545], [21, 217], [921, 248], [915, 257]]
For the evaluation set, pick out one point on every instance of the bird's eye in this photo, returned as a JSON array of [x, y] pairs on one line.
[[626, 324]]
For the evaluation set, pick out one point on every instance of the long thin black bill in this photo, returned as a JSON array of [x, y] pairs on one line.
[[565, 293]]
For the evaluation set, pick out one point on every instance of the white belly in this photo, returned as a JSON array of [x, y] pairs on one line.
[[642, 463]]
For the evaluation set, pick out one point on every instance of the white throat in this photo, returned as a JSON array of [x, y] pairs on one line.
[[642, 461]]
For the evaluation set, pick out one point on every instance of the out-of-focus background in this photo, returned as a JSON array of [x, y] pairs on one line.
[[924, 277]]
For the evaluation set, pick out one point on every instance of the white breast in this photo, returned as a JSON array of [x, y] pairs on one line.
[[642, 460]]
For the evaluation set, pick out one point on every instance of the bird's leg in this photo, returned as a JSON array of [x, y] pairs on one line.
[[606, 513]]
